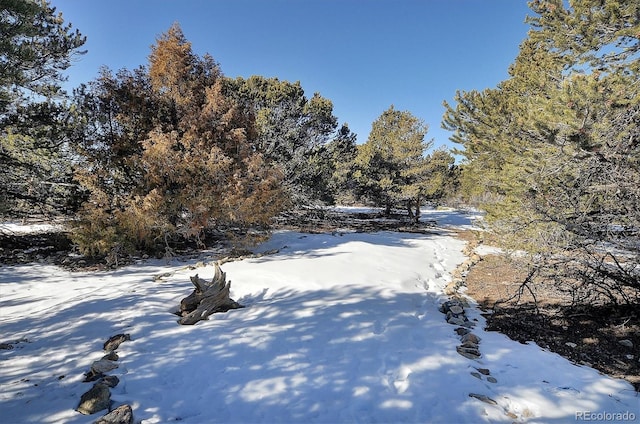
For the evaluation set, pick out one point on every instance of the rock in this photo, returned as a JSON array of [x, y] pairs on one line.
[[470, 337], [456, 309], [121, 415], [115, 341], [469, 345], [492, 380], [483, 398], [626, 343], [477, 375], [571, 344], [456, 320], [462, 331], [110, 380], [102, 366], [111, 356], [95, 399], [468, 352], [91, 376], [483, 371]]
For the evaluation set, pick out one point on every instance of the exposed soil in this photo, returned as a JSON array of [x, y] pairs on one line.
[[588, 334]]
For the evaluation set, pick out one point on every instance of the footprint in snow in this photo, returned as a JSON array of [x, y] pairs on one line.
[[378, 328]]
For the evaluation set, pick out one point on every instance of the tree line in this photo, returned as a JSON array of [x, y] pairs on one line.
[[174, 151]]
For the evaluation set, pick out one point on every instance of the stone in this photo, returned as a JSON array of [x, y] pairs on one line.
[[571, 344], [95, 399], [477, 375], [121, 415], [492, 380], [483, 398], [467, 352], [115, 341], [91, 376], [462, 331], [470, 344], [455, 320], [111, 356], [102, 366], [6, 346], [483, 371], [470, 337], [626, 343], [446, 306], [456, 309], [110, 380]]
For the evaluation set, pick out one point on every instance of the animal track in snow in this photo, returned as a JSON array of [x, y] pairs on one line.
[[378, 327]]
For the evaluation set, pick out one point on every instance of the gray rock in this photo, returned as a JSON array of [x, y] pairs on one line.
[[492, 380], [455, 320], [571, 344], [470, 344], [470, 337], [462, 331], [626, 343], [102, 366], [121, 415], [483, 398], [468, 352], [95, 399], [477, 375], [483, 371], [111, 356], [110, 380], [456, 309], [115, 341]]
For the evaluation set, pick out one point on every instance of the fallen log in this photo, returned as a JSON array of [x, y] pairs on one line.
[[207, 298]]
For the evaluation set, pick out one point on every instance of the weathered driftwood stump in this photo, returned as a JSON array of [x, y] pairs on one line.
[[207, 298]]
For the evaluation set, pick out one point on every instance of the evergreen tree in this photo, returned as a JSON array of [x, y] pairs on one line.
[[390, 165], [342, 152], [174, 156], [35, 48], [556, 146], [292, 132]]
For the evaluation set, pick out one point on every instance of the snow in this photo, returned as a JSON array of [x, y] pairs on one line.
[[18, 228], [337, 328]]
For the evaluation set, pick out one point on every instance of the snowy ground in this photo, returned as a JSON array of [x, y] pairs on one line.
[[337, 328]]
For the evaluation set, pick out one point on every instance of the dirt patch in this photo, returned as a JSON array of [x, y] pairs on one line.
[[603, 337]]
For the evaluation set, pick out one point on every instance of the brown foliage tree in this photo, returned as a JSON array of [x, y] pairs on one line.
[[194, 169]]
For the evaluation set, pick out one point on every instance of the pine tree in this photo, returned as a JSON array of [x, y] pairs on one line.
[[174, 158], [35, 48], [556, 146], [390, 165], [342, 152], [292, 132]]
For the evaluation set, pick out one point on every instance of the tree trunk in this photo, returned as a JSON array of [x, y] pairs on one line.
[[207, 298], [410, 210], [416, 216]]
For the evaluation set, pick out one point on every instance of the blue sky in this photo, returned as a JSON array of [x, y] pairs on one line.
[[364, 55]]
